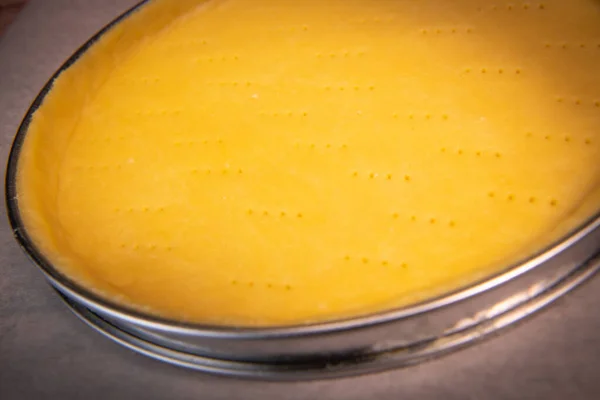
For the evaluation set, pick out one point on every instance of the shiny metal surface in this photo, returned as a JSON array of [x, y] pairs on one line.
[[386, 357], [414, 333], [359, 344]]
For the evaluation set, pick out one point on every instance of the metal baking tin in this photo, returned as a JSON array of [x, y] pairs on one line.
[[376, 342]]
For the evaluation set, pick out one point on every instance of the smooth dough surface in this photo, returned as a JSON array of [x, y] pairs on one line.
[[257, 162]]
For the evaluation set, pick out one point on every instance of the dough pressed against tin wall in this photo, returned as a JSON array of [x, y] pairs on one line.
[[483, 90]]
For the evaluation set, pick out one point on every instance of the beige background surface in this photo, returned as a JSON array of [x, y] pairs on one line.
[[46, 353]]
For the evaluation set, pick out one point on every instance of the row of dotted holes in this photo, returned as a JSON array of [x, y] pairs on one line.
[[519, 6], [478, 153], [430, 221], [328, 146], [513, 198], [264, 213], [567, 139], [427, 116], [499, 71], [374, 175], [439, 31], [252, 284], [232, 83], [367, 260], [343, 88], [578, 102], [341, 54], [279, 214], [566, 46]]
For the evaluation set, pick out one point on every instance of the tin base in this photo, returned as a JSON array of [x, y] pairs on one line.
[[299, 371]]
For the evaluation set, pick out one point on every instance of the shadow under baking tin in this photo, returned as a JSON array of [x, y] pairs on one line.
[[325, 350]]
